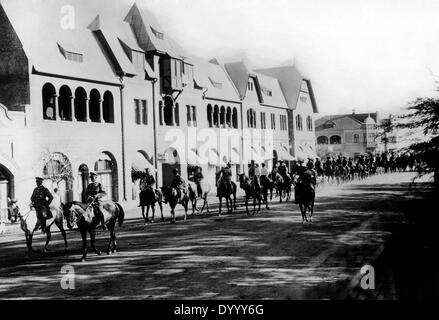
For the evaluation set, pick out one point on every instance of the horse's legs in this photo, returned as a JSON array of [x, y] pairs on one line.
[[84, 245], [311, 210], [153, 212], [147, 214], [48, 237], [204, 203], [143, 213], [220, 206], [93, 240], [246, 204], [234, 200], [110, 248], [28, 236], [186, 207], [60, 226], [161, 210]]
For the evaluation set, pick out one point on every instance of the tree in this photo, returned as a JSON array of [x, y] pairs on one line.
[[422, 118]]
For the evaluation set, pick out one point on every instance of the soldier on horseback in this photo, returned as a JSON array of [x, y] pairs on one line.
[[307, 178], [146, 184], [41, 199], [180, 184], [94, 194], [198, 177], [224, 177]]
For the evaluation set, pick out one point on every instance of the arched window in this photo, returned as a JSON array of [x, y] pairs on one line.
[[356, 138], [254, 119], [81, 105], [216, 116], [210, 115], [299, 124], [250, 120], [95, 106], [322, 140], [335, 140], [309, 124], [106, 169], [168, 111], [229, 118], [235, 118], [177, 114], [49, 96], [65, 103], [223, 117], [108, 107]]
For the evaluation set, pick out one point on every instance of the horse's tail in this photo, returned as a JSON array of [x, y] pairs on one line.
[[121, 215]]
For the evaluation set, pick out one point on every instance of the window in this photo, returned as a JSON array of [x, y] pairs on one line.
[[161, 113], [108, 107], [71, 56], [250, 86], [144, 112], [322, 140], [65, 103], [194, 116], [157, 34], [177, 115], [251, 118], [229, 118], [303, 99], [216, 116], [95, 106], [210, 116], [80, 103], [335, 140], [168, 112], [49, 96], [309, 123], [273, 121], [137, 115], [215, 84], [299, 125], [263, 124], [235, 118], [189, 116], [223, 117], [267, 92], [356, 138]]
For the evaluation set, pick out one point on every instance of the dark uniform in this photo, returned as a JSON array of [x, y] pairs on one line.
[[181, 185], [198, 177], [308, 178], [94, 194], [41, 199], [225, 177]]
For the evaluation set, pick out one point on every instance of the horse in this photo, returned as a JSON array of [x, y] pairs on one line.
[[171, 196], [251, 191], [148, 199], [266, 185], [283, 187], [193, 195], [226, 192], [305, 199], [329, 171], [85, 218], [30, 223]]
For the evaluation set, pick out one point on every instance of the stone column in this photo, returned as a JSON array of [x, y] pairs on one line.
[[72, 108], [101, 111], [55, 105], [87, 110]]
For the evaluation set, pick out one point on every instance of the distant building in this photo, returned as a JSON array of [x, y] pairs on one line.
[[348, 134]]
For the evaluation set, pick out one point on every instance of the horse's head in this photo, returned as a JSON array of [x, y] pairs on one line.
[[70, 214]]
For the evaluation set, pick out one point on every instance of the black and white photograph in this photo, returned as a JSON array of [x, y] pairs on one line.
[[206, 150]]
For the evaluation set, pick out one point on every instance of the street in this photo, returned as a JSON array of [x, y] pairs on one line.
[[267, 256]]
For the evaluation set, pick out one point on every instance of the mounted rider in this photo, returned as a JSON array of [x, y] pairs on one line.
[[224, 177], [283, 171], [307, 178], [198, 177], [264, 174], [180, 184], [41, 199], [253, 172], [147, 183], [94, 194]]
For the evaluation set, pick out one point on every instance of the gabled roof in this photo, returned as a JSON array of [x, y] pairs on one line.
[[267, 83], [215, 79], [42, 37], [240, 73], [290, 81], [147, 30], [358, 117]]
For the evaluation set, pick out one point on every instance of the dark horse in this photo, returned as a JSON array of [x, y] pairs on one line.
[[148, 199], [266, 185], [283, 187], [251, 191], [84, 216], [305, 197], [171, 196], [226, 192]]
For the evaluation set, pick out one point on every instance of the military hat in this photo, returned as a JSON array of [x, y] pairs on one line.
[[39, 179], [93, 173]]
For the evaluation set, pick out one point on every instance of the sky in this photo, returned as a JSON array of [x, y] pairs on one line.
[[363, 55]]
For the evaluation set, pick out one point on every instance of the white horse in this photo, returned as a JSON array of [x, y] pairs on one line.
[[30, 224]]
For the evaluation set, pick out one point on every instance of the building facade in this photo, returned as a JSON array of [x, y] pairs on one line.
[[115, 95], [350, 135]]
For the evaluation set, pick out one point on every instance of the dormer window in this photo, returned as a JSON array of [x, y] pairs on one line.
[[329, 124], [215, 84], [267, 92], [70, 55], [250, 86], [157, 34]]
